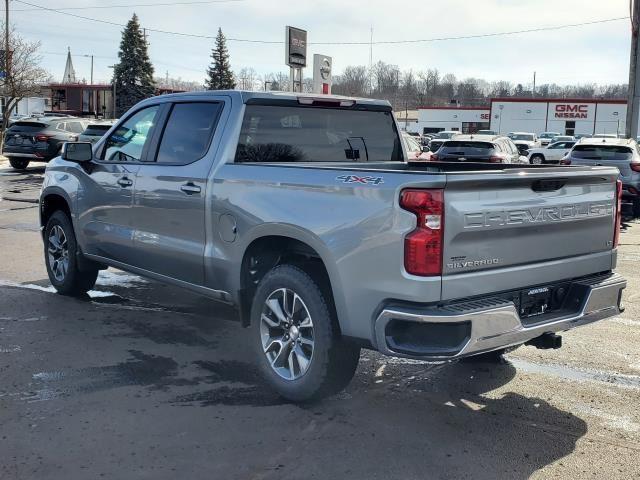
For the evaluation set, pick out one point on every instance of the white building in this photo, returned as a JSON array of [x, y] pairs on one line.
[[28, 106], [566, 116], [461, 119]]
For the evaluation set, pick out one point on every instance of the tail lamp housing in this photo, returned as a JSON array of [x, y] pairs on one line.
[[423, 246]]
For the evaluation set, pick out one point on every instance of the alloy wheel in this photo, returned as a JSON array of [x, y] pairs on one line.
[[286, 331], [58, 253]]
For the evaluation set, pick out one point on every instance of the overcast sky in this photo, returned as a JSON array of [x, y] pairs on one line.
[[596, 53]]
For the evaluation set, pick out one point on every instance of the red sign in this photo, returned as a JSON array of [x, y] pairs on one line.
[[571, 111]]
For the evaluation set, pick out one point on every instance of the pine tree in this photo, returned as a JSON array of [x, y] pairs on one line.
[[133, 76], [219, 74]]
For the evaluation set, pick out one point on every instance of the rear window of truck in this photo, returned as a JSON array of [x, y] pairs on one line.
[[307, 134]]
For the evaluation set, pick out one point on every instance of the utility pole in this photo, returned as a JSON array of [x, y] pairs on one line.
[[371, 62], [633, 100], [7, 52]]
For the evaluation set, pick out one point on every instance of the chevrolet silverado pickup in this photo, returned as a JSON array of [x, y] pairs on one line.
[[304, 214]]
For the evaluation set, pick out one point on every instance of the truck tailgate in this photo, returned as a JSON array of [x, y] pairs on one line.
[[562, 218]]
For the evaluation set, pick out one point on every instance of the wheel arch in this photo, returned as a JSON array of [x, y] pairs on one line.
[[52, 200], [268, 247]]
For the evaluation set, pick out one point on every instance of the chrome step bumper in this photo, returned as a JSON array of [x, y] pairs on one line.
[[483, 325]]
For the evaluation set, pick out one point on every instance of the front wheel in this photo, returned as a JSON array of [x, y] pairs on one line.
[[18, 163], [60, 253], [296, 337], [537, 160]]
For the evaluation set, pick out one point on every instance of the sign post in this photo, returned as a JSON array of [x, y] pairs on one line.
[[322, 65], [296, 55]]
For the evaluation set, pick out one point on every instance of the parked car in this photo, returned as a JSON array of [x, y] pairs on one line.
[[545, 138], [435, 144], [478, 148], [446, 134], [40, 139], [563, 138], [612, 152], [95, 131], [415, 151], [552, 153], [324, 240], [524, 141], [486, 132]]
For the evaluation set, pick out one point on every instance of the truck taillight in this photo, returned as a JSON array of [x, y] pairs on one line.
[[496, 159], [423, 246], [618, 216], [434, 157], [42, 138], [635, 166]]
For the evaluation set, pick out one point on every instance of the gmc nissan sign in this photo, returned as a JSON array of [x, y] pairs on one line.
[[565, 110], [296, 47]]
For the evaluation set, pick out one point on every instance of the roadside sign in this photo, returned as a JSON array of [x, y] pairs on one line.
[[296, 47]]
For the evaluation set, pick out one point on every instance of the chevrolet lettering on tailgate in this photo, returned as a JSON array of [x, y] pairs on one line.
[[537, 215]]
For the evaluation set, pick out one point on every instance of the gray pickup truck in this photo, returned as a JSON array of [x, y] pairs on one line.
[[303, 214]]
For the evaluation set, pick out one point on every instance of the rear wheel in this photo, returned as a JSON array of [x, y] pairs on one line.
[[60, 252], [536, 160], [296, 337], [18, 163]]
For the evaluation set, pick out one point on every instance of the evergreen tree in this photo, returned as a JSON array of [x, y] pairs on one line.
[[219, 74], [133, 76]]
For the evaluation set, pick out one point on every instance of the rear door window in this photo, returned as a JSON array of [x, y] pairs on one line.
[[188, 132], [311, 134]]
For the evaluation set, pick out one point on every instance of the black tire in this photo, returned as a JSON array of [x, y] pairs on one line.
[[74, 282], [636, 208], [333, 360], [19, 163], [537, 159]]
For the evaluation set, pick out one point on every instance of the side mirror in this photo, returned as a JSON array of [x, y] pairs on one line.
[[79, 152]]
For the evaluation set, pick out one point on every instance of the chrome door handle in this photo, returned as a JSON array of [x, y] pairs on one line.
[[190, 188], [124, 182]]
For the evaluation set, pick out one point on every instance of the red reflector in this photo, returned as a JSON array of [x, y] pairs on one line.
[[618, 216], [635, 166], [565, 161], [42, 138], [434, 158], [423, 246], [496, 159]]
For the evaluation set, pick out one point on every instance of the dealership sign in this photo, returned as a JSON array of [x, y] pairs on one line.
[[571, 110], [296, 47]]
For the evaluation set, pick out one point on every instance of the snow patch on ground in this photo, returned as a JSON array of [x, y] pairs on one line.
[[108, 278]]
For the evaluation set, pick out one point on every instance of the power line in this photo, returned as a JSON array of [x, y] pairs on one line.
[[378, 42], [165, 4]]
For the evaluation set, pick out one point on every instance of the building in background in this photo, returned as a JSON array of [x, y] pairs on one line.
[[460, 119], [81, 99], [567, 116]]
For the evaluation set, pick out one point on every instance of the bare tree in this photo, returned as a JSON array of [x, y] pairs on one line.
[[25, 76], [354, 81]]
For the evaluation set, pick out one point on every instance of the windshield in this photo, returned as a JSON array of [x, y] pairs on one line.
[[602, 152], [522, 136], [96, 129]]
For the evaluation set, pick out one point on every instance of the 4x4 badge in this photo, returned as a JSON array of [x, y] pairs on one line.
[[360, 180]]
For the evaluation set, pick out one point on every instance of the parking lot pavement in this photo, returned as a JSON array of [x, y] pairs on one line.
[[141, 380]]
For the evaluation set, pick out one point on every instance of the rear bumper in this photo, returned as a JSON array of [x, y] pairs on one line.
[[24, 156], [438, 333]]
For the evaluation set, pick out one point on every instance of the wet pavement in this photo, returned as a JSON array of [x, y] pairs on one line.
[[141, 380]]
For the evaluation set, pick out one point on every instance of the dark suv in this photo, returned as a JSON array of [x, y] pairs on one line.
[[39, 139], [478, 148]]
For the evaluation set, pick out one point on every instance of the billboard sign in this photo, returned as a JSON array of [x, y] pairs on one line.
[[296, 47], [571, 110], [322, 66]]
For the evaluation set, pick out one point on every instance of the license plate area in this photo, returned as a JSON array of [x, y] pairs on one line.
[[535, 303]]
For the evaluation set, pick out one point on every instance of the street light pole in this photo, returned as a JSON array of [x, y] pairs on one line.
[[633, 99]]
